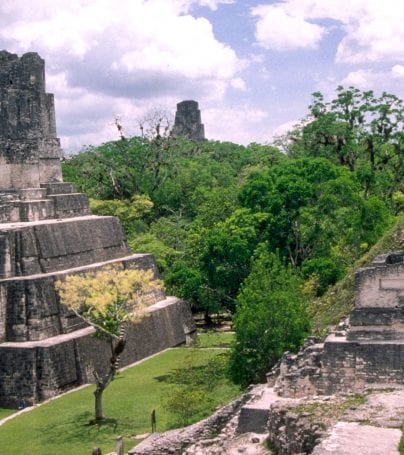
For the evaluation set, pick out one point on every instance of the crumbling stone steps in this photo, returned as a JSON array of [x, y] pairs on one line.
[[254, 415]]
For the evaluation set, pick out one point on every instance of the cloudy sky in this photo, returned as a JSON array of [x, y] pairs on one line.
[[250, 64]]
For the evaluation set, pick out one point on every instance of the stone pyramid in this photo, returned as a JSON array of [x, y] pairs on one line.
[[47, 230]]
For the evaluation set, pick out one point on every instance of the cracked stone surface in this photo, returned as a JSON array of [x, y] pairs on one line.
[[352, 438]]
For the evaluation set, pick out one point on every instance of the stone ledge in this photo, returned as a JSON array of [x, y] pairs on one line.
[[77, 269]]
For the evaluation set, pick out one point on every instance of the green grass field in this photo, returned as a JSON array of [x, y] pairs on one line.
[[6, 412], [214, 339], [62, 426]]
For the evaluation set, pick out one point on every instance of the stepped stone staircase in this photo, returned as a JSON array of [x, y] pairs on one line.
[[47, 231]]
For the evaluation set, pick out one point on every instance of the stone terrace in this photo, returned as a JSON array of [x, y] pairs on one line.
[[47, 231], [368, 350]]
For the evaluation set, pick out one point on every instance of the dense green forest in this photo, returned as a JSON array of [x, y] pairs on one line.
[[258, 232]]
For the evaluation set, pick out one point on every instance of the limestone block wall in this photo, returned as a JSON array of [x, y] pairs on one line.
[[350, 366], [338, 372], [31, 305], [29, 149], [50, 201], [379, 305], [48, 246], [380, 286], [35, 371], [346, 366]]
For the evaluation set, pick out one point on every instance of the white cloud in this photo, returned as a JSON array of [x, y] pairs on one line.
[[136, 36], [241, 125], [279, 29], [367, 79], [213, 4], [238, 83], [103, 57], [283, 128], [363, 79], [186, 5], [373, 29], [398, 71]]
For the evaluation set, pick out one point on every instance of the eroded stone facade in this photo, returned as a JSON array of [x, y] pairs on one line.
[[188, 122], [29, 149], [367, 349], [46, 232]]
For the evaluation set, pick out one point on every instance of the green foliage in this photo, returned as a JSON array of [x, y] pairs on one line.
[[149, 243], [194, 384], [130, 211], [359, 131], [184, 403], [225, 259], [271, 317], [204, 208], [314, 210], [326, 269], [177, 175]]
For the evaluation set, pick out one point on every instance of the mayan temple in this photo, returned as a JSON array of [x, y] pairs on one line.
[[188, 121], [47, 231]]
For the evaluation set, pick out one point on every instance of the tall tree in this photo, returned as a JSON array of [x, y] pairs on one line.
[[108, 300], [357, 130], [271, 318]]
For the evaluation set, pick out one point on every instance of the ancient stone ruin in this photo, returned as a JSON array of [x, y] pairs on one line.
[[368, 350], [46, 232], [188, 121]]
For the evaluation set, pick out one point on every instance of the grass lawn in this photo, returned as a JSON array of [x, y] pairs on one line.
[[4, 412], [214, 339], [62, 426]]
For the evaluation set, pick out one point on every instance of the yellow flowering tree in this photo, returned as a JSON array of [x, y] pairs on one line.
[[109, 300]]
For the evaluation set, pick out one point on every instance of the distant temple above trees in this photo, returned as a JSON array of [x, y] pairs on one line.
[[188, 122]]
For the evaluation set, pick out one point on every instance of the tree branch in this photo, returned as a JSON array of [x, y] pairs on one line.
[[96, 326]]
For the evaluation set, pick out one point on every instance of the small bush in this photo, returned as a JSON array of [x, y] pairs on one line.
[[184, 402]]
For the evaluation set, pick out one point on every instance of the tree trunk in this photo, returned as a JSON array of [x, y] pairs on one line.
[[208, 319], [99, 413], [103, 382]]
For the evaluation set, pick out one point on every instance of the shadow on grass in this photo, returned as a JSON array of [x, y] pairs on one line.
[[107, 422], [164, 378], [82, 428]]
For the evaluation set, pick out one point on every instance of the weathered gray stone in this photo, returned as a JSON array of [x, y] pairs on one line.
[[370, 350], [46, 232], [188, 121], [29, 149]]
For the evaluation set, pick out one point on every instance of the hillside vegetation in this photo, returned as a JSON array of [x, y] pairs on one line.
[[267, 234]]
